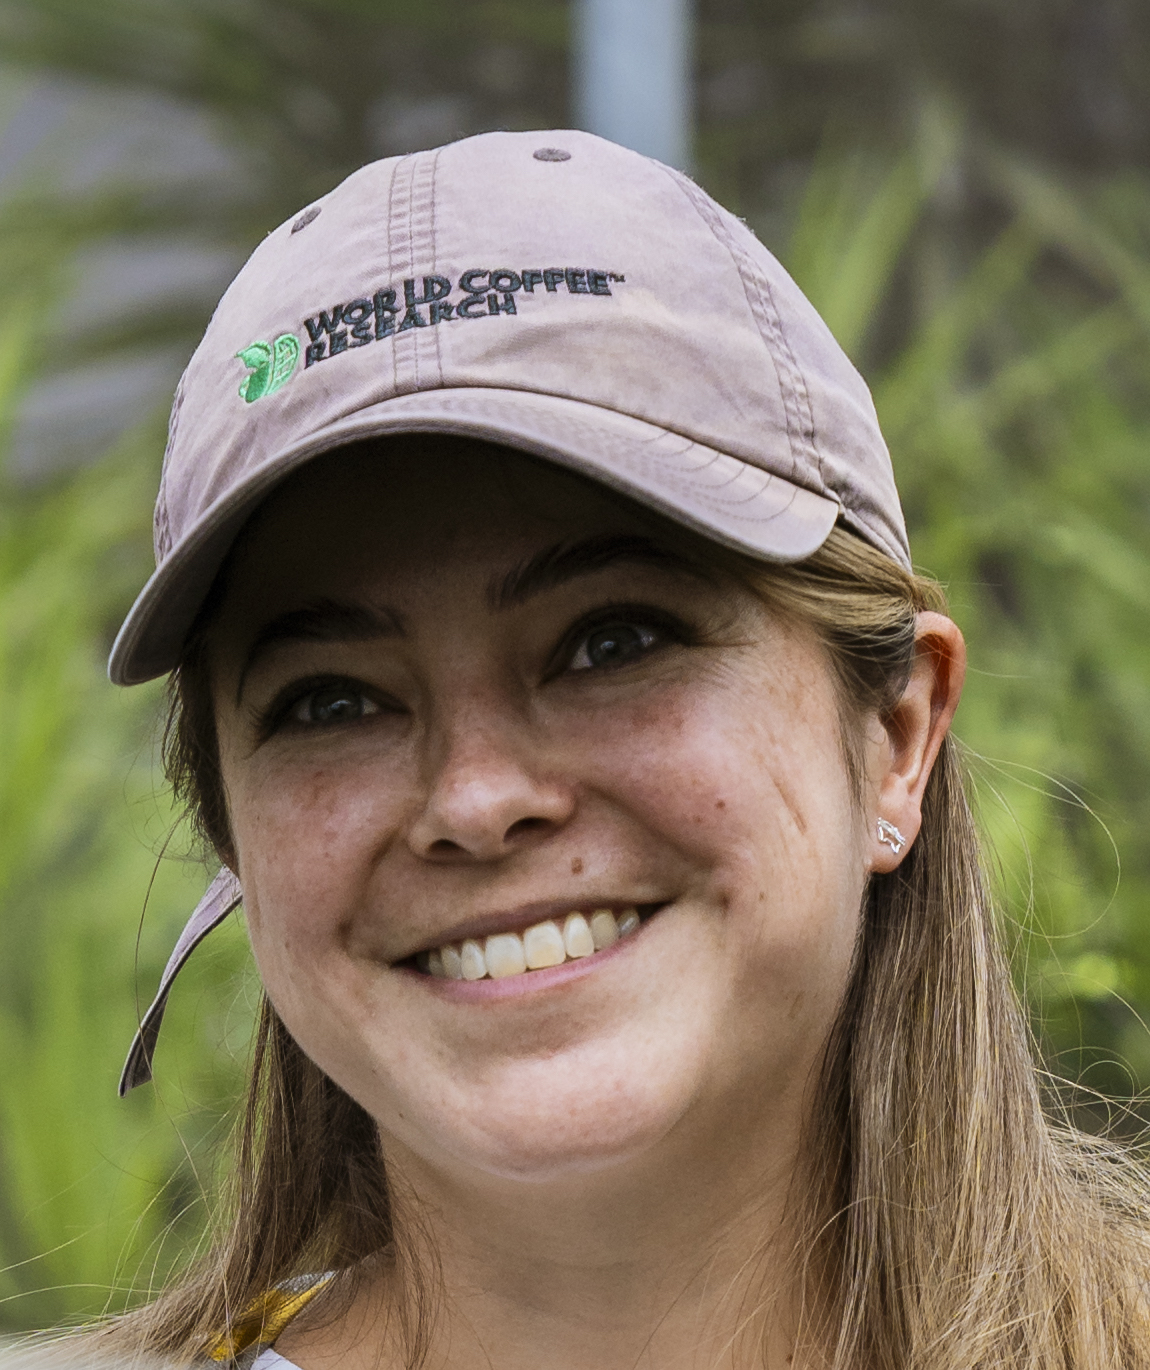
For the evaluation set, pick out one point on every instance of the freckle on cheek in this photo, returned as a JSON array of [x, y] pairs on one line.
[[577, 866]]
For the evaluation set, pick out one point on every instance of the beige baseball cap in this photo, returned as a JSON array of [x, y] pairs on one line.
[[548, 291], [552, 292]]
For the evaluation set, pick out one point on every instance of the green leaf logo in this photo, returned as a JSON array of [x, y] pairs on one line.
[[271, 366]]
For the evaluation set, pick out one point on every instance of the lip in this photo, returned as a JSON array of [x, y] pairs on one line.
[[526, 916], [532, 981]]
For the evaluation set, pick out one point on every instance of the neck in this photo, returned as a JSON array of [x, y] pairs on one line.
[[666, 1262]]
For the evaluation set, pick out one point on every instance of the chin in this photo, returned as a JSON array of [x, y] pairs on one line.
[[549, 1159], [531, 1133]]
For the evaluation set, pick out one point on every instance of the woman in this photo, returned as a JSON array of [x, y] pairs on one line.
[[551, 681]]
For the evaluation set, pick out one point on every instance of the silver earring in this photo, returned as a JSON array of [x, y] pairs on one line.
[[888, 833]]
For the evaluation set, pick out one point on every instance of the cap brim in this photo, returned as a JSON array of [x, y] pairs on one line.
[[726, 499]]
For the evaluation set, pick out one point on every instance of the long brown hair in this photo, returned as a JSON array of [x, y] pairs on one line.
[[948, 1222]]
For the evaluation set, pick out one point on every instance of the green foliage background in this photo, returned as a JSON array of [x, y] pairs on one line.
[[979, 243]]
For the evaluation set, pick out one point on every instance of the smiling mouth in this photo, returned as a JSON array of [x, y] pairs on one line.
[[550, 943]]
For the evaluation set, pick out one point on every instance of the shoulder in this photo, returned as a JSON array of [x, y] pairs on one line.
[[267, 1359]]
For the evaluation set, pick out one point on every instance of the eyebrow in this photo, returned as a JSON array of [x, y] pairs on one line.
[[566, 561], [330, 620], [327, 620]]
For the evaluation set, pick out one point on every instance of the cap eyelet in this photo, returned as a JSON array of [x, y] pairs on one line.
[[306, 218], [551, 154]]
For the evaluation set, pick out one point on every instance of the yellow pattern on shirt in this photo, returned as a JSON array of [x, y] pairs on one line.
[[263, 1321]]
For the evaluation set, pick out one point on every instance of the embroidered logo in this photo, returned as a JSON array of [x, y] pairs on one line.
[[271, 366], [480, 293], [485, 294]]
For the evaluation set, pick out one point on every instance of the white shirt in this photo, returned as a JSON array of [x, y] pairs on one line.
[[270, 1359]]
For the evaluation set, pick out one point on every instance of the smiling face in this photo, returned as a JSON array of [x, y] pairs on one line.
[[464, 695]]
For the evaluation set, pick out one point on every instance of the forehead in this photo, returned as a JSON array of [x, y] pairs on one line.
[[406, 506]]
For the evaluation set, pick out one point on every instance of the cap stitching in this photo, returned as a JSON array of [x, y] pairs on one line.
[[410, 364], [422, 222], [802, 397], [794, 391], [410, 355], [435, 259], [410, 269], [767, 316], [391, 218], [387, 240]]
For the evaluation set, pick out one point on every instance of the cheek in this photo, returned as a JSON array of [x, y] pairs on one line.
[[307, 840], [754, 770], [749, 785]]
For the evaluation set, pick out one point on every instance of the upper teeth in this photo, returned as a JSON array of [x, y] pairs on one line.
[[545, 944]]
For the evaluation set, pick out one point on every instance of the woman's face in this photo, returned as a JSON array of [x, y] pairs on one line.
[[462, 694]]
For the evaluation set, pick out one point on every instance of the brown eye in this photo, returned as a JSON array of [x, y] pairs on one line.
[[333, 704], [615, 644]]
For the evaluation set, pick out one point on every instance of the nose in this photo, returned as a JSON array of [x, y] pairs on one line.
[[489, 794]]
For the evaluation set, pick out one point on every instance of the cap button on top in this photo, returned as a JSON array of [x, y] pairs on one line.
[[551, 154]]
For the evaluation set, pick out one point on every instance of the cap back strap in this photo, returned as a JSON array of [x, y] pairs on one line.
[[222, 896]]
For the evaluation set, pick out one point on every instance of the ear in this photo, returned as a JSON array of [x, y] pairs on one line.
[[913, 733]]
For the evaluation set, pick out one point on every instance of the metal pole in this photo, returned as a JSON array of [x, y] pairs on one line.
[[633, 74]]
